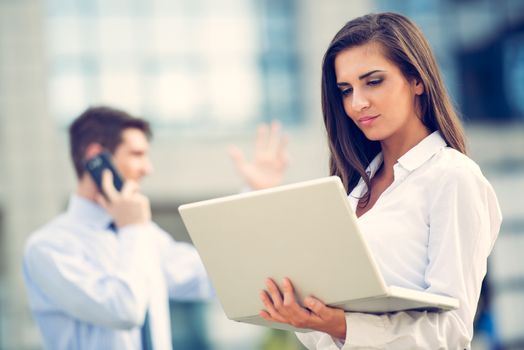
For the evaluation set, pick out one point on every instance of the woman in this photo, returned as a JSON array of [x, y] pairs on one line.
[[427, 212]]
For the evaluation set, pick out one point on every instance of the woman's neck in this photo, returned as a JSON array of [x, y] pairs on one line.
[[399, 144]]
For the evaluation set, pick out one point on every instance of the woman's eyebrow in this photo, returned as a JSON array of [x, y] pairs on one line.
[[363, 76]]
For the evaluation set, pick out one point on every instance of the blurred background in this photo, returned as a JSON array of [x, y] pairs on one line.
[[205, 73]]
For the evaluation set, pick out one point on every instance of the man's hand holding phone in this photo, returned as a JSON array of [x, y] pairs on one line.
[[127, 207]]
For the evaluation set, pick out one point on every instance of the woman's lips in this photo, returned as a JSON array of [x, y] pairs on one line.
[[367, 120]]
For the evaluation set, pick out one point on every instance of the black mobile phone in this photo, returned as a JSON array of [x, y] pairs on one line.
[[96, 165]]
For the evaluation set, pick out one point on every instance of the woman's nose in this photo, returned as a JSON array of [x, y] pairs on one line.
[[359, 101]]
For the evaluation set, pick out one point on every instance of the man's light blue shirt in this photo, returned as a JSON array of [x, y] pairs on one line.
[[89, 287]]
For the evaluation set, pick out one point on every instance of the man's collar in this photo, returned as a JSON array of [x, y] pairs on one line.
[[88, 212]]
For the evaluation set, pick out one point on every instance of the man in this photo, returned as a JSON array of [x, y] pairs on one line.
[[99, 275]]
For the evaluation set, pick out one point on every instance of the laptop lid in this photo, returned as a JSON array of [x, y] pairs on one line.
[[305, 231]]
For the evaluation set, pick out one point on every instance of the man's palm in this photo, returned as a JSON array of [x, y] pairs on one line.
[[270, 159]]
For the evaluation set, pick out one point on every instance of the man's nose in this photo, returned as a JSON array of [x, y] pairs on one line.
[[148, 167]]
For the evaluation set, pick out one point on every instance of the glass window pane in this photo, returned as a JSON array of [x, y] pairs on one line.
[[191, 63], [121, 89]]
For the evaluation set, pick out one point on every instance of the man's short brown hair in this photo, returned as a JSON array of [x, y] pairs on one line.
[[102, 125]]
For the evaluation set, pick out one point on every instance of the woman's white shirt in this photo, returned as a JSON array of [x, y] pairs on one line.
[[432, 230]]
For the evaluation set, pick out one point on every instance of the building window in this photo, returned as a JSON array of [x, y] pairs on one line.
[[197, 64]]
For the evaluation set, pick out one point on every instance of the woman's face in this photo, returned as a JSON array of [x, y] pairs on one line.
[[376, 95]]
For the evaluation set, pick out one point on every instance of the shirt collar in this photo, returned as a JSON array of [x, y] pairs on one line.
[[374, 165], [422, 152], [370, 170], [88, 212], [410, 161]]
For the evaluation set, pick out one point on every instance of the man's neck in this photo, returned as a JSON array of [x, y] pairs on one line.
[[86, 188]]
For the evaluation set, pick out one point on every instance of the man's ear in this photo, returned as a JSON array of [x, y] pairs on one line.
[[92, 150]]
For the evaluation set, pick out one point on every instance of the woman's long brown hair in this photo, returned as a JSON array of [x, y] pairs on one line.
[[404, 45]]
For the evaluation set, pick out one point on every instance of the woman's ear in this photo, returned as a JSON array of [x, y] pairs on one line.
[[92, 150], [418, 86]]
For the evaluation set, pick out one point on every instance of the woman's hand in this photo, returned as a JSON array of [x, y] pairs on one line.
[[283, 308], [270, 158]]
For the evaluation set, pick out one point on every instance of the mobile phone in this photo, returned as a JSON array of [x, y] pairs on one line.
[[96, 165]]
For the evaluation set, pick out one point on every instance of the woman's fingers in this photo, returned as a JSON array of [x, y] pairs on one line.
[[317, 307], [270, 314], [289, 292], [266, 316], [292, 307], [274, 293], [283, 308], [294, 312]]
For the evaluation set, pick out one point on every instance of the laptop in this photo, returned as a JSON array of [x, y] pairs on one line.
[[305, 231]]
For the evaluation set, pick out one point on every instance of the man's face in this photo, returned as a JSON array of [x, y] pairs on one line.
[[131, 156]]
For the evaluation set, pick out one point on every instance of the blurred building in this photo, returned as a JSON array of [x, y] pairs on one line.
[[205, 73]]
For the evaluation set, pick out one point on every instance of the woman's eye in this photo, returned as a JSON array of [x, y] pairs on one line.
[[374, 82], [346, 92]]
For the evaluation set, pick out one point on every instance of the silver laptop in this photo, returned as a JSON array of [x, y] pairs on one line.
[[305, 231]]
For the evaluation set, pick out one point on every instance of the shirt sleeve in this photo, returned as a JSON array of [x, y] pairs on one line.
[[464, 222], [183, 269], [112, 295]]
